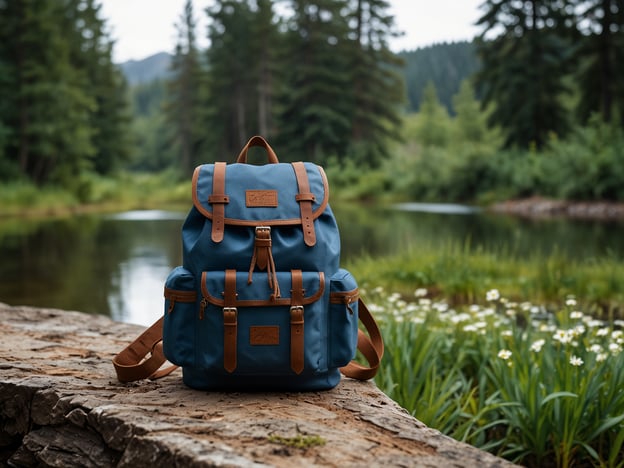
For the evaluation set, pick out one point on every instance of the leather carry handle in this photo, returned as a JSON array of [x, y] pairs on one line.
[[257, 141], [143, 358]]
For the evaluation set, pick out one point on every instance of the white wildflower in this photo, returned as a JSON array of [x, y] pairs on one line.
[[460, 318], [570, 302], [510, 313], [563, 336], [595, 348], [492, 295], [506, 333], [470, 328], [537, 345], [504, 354], [602, 332], [602, 357], [576, 315], [592, 323], [617, 334], [576, 361], [420, 292], [615, 348], [474, 308]]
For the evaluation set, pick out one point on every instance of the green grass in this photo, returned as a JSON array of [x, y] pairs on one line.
[[93, 193], [539, 388], [462, 275]]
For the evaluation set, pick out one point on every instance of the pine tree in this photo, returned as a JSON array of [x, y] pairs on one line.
[[241, 62], [92, 55], [185, 100], [470, 119], [51, 138], [524, 67], [601, 59], [62, 99], [377, 85], [432, 128], [315, 103]]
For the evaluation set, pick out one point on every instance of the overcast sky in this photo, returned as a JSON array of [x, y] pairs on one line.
[[141, 28]]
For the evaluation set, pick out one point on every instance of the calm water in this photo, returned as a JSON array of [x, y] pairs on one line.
[[116, 264]]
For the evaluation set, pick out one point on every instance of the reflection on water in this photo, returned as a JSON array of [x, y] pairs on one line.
[[442, 208], [117, 264]]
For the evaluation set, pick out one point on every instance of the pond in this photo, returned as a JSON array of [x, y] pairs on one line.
[[116, 264]]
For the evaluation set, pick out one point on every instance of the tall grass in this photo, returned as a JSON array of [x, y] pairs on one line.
[[537, 387], [94, 193], [462, 274]]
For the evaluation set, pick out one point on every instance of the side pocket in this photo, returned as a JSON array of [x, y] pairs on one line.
[[180, 314], [343, 318]]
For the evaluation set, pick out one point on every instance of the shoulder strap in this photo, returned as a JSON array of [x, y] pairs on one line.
[[143, 358]]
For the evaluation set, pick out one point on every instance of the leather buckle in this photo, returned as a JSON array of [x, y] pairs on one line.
[[296, 312]]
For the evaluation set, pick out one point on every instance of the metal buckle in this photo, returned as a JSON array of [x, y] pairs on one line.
[[230, 309], [263, 228], [296, 307]]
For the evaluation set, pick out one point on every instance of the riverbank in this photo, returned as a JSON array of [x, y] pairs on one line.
[[539, 207]]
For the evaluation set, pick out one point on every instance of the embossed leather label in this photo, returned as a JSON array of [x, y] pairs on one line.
[[264, 335], [261, 198]]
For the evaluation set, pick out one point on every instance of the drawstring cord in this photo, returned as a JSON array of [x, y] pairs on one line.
[[263, 258]]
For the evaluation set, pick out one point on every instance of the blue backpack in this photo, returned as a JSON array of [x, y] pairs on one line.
[[260, 302]]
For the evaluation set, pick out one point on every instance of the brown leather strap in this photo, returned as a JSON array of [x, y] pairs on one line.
[[218, 200], [257, 141], [133, 363], [371, 347], [297, 294], [305, 199], [230, 324]]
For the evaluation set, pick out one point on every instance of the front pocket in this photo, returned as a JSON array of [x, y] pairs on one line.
[[180, 317], [245, 330], [343, 318]]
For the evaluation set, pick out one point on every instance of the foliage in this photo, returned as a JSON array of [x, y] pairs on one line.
[[523, 68], [445, 64], [601, 59], [539, 387], [463, 273], [63, 108], [92, 192], [185, 99]]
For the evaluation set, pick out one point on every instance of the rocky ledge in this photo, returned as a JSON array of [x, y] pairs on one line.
[[538, 207], [61, 405]]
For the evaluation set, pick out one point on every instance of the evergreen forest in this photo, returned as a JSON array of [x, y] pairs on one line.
[[532, 106]]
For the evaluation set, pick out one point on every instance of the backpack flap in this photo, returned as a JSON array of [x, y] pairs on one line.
[[242, 330], [270, 195]]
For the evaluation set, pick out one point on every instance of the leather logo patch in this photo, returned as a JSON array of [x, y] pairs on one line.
[[261, 198], [264, 336]]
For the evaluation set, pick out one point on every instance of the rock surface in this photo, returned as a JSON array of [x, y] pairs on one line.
[[61, 405]]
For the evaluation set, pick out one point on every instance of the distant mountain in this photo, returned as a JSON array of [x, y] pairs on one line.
[[149, 69], [445, 64]]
